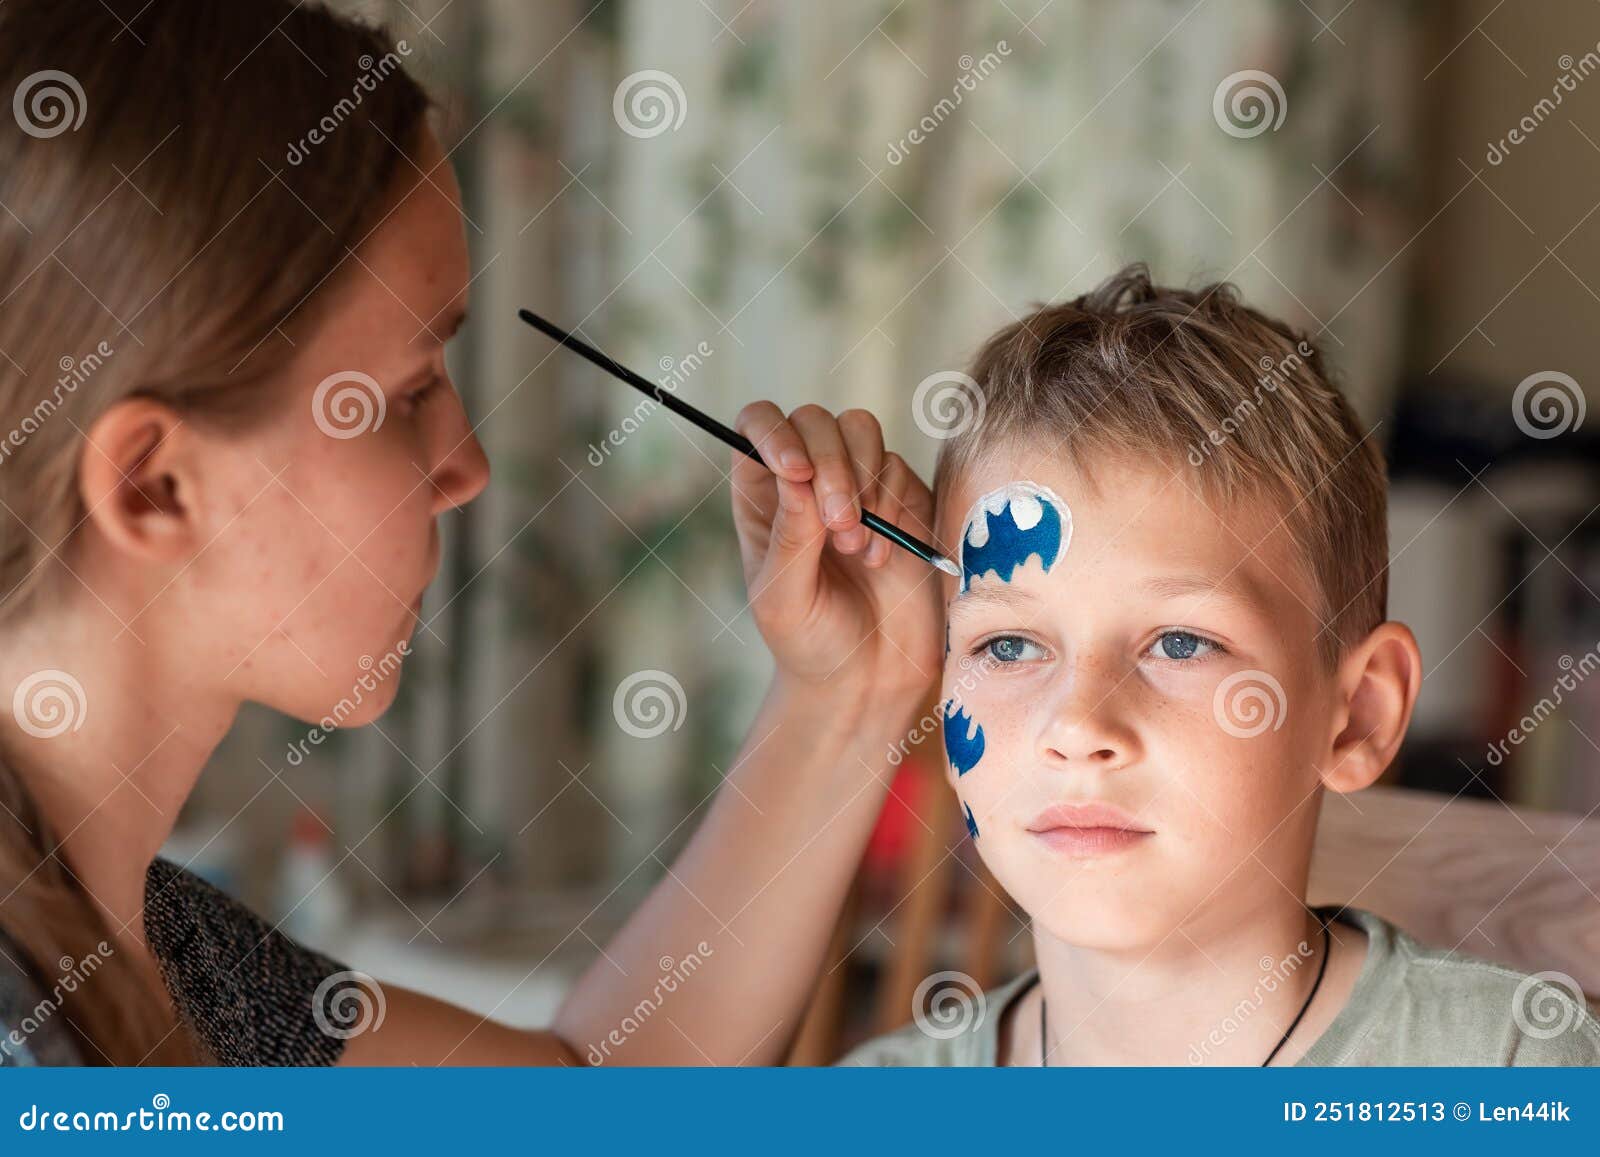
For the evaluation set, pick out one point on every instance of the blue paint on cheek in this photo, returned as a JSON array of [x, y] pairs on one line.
[[1009, 546], [972, 824], [963, 749]]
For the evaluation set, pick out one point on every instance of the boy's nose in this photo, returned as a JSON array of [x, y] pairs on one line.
[[1084, 728]]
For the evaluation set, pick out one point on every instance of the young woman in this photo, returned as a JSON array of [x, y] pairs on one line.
[[180, 534]]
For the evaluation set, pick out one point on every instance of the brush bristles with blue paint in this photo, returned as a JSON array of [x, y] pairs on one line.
[[733, 438]]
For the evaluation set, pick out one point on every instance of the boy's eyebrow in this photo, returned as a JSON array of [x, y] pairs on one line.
[[1001, 596], [1179, 585], [1238, 593]]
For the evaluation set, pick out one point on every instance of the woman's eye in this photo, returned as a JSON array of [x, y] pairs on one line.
[[1013, 649], [421, 395], [1180, 645]]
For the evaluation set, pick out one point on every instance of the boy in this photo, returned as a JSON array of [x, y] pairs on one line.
[[1173, 547]]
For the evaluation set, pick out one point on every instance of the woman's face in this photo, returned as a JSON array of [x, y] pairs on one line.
[[325, 515]]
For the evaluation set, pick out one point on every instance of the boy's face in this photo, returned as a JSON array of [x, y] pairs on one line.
[[1165, 664]]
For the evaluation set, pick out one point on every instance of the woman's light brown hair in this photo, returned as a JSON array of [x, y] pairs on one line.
[[171, 228]]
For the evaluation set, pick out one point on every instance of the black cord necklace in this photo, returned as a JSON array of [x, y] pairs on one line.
[[1044, 1024]]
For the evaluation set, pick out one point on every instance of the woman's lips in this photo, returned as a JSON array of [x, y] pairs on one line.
[[1087, 829]]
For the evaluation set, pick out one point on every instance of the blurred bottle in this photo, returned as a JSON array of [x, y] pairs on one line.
[[310, 894]]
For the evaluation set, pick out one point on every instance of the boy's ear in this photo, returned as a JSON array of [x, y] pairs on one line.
[[1378, 682]]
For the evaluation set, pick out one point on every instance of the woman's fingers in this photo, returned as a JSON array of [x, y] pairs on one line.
[[863, 439], [826, 471], [776, 440], [894, 484], [834, 482]]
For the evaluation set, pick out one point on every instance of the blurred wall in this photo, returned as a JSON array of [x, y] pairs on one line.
[[1510, 271]]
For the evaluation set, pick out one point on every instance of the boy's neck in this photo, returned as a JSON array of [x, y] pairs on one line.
[[1206, 995]]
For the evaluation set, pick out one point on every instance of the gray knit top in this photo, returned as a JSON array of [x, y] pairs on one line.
[[250, 994]]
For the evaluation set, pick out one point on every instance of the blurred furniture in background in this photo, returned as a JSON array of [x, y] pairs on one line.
[[1509, 884]]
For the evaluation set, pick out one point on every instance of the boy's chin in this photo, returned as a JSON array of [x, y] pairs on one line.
[[1108, 916], [1108, 932]]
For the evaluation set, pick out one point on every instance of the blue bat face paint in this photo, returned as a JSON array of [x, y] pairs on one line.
[[963, 749], [1009, 526], [972, 824]]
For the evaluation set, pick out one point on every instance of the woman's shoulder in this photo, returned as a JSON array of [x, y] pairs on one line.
[[954, 1024], [31, 1031], [254, 995], [1426, 1004]]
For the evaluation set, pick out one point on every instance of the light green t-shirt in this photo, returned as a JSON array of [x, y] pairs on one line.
[[1411, 1005]]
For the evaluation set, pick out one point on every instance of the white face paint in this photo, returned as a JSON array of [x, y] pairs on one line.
[[1030, 520]]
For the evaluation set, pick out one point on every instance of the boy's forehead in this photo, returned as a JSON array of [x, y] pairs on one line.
[[996, 471], [1148, 525]]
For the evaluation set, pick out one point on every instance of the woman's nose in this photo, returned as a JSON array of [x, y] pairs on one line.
[[463, 472]]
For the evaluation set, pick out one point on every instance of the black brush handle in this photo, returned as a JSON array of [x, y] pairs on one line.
[[711, 426]]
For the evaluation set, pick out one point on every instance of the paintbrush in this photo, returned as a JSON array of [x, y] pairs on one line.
[[733, 438]]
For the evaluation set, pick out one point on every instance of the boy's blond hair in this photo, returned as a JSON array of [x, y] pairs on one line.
[[1206, 383]]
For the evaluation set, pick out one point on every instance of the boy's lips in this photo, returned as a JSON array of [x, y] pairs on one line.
[[1085, 815], [1087, 829]]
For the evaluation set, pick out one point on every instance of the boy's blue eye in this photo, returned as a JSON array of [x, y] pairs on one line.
[[1013, 649], [1180, 645]]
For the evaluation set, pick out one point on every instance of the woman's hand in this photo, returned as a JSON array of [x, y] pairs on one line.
[[836, 603]]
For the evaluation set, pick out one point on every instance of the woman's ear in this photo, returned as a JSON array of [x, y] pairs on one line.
[[1378, 680], [137, 481]]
